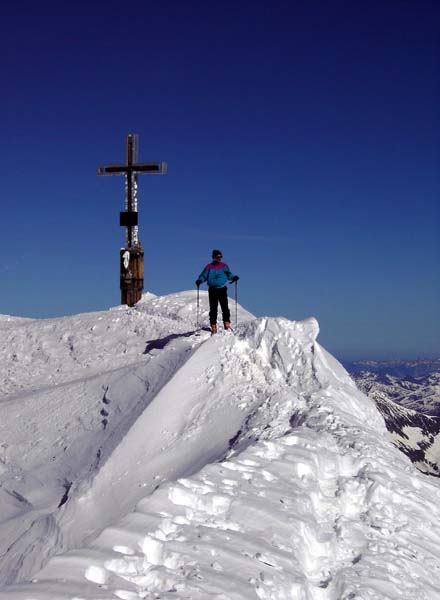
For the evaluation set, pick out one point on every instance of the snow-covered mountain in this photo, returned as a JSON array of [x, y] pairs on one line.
[[407, 393], [141, 458], [420, 367], [415, 434], [412, 384]]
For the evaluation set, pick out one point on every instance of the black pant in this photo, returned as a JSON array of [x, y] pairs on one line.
[[217, 295]]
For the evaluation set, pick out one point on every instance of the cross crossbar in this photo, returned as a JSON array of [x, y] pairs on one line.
[[160, 168]]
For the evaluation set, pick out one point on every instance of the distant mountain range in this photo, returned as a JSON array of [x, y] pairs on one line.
[[407, 393], [399, 368]]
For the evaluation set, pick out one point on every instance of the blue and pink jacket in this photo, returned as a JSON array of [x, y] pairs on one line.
[[216, 274]]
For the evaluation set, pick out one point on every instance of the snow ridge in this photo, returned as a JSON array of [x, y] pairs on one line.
[[274, 479]]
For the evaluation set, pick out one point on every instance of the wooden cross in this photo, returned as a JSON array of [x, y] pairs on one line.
[[132, 256]]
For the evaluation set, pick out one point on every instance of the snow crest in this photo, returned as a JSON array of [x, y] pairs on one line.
[[257, 471]]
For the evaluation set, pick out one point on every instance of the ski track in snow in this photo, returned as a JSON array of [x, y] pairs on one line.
[[309, 500]]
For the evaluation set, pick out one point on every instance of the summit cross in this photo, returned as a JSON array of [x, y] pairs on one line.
[[132, 255]]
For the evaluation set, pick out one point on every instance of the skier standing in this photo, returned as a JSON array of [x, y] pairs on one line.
[[217, 274]]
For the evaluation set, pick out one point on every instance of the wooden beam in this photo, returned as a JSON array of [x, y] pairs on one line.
[[159, 168]]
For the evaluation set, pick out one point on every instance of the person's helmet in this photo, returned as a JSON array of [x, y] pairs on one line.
[[217, 254]]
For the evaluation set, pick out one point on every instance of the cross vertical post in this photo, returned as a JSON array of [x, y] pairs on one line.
[[132, 255]]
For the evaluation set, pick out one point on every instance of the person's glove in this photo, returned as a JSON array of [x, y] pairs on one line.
[[235, 278], [198, 282]]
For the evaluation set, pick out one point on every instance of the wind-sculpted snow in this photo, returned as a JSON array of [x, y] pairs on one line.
[[258, 471], [70, 389]]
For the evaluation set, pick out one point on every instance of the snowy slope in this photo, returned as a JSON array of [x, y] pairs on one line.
[[231, 467], [415, 434], [70, 390]]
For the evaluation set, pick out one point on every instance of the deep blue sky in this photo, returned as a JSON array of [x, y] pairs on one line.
[[302, 139]]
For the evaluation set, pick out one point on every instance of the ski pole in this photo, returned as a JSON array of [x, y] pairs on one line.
[[198, 302], [236, 308]]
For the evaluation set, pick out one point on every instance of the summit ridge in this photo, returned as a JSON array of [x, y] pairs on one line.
[[229, 467]]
